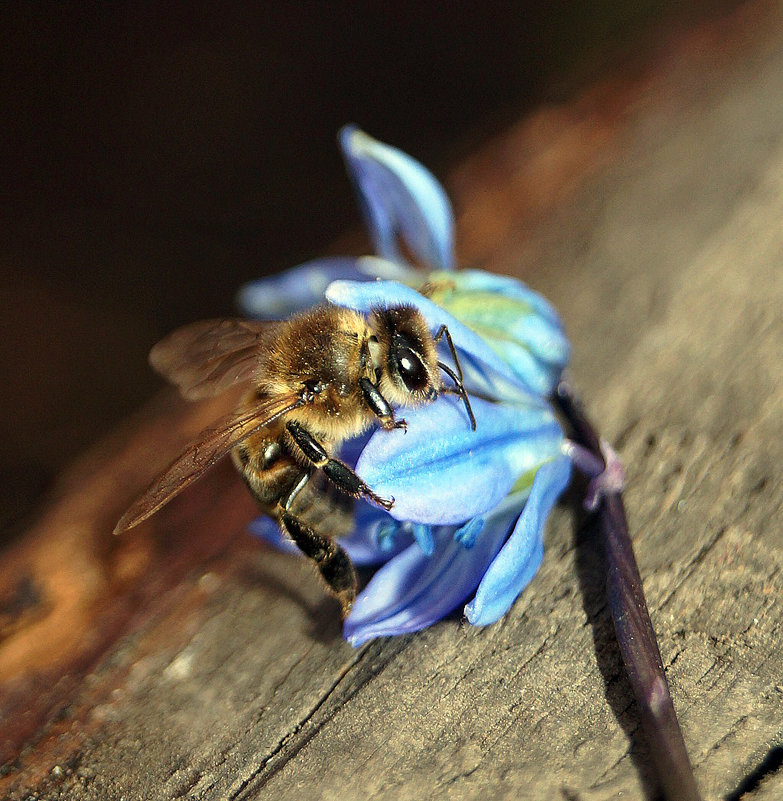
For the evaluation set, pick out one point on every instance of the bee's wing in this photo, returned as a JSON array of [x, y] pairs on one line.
[[208, 357], [211, 445]]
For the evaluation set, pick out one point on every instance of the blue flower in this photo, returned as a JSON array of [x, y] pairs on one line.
[[470, 506]]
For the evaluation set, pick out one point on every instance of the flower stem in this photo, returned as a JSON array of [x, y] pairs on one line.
[[635, 634]]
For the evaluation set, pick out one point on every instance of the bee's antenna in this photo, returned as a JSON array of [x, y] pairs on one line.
[[461, 391], [456, 378]]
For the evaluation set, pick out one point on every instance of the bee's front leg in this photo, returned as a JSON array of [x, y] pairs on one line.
[[380, 406], [336, 471]]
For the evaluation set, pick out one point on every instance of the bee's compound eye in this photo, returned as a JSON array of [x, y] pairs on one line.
[[411, 369]]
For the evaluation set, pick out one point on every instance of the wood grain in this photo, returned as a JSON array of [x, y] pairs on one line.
[[186, 661]]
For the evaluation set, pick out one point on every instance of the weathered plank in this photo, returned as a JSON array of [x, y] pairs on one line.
[[650, 211]]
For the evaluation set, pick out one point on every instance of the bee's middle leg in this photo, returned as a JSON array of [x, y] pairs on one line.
[[336, 471]]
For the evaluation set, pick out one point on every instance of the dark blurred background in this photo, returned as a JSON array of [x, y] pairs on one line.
[[155, 156]]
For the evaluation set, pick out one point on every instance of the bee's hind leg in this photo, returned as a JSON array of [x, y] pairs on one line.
[[331, 560]]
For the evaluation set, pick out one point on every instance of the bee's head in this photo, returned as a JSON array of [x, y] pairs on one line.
[[404, 356]]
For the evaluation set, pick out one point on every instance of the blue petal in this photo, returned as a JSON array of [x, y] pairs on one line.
[[516, 564], [279, 296], [546, 342], [399, 197], [384, 594], [365, 546], [368, 545], [481, 363], [413, 591], [440, 471], [538, 373]]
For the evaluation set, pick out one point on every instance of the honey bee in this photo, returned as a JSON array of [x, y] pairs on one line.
[[313, 381]]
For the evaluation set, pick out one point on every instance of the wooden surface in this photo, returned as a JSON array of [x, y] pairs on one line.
[[186, 661]]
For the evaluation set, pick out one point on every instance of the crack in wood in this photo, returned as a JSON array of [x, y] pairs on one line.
[[690, 568], [287, 749], [226, 753]]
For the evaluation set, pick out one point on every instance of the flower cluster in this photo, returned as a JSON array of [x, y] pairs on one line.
[[470, 508]]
